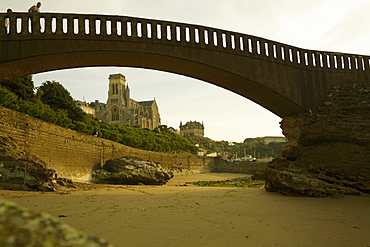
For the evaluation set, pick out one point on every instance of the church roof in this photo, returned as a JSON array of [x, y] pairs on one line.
[[147, 103]]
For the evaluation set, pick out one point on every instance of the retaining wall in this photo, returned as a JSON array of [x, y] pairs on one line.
[[74, 155], [239, 167]]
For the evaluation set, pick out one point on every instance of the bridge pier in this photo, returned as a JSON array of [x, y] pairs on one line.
[[329, 152]]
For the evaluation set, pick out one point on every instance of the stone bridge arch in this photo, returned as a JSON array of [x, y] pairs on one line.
[[284, 79]]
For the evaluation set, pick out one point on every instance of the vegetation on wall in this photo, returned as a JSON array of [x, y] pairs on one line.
[[53, 103], [242, 182]]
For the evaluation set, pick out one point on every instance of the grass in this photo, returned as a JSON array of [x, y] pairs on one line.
[[244, 182]]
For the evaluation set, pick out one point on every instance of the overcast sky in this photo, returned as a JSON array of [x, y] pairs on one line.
[[327, 25]]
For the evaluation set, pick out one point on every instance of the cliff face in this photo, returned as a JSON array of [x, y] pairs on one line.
[[330, 149]]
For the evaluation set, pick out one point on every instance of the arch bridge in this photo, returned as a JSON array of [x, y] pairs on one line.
[[286, 80]]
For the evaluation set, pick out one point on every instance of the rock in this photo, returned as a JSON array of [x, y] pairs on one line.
[[291, 179], [29, 176], [22, 227], [179, 168], [329, 150], [258, 175], [22, 171], [129, 170]]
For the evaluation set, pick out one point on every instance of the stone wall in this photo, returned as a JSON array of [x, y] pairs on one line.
[[74, 155], [238, 167]]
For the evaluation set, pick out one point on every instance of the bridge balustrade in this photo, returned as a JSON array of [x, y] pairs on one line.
[[58, 25]]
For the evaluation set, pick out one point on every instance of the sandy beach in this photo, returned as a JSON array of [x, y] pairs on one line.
[[177, 215]]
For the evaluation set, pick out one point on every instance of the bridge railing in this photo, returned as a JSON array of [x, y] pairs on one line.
[[26, 25]]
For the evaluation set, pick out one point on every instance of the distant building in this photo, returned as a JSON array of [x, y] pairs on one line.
[[85, 107], [192, 129], [120, 109], [268, 139], [201, 152], [212, 155]]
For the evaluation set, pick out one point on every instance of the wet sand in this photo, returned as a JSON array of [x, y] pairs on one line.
[[177, 215]]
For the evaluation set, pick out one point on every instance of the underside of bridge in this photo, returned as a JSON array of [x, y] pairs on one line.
[[244, 84], [286, 89]]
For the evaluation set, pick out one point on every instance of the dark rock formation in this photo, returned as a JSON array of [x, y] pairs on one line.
[[258, 175], [311, 180], [129, 170], [329, 152], [179, 168], [22, 227], [21, 171]]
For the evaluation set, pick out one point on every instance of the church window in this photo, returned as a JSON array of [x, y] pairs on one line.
[[115, 114], [114, 89]]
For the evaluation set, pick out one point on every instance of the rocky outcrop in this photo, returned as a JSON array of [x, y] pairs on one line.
[[311, 180], [179, 168], [130, 170], [29, 176], [329, 152], [22, 227], [21, 171]]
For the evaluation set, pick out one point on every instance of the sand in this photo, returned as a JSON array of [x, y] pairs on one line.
[[176, 215]]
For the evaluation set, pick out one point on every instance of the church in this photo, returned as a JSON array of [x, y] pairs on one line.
[[120, 109]]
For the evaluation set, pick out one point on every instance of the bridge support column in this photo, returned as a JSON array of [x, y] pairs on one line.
[[329, 152]]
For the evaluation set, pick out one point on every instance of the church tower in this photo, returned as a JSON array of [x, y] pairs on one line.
[[120, 109], [118, 100]]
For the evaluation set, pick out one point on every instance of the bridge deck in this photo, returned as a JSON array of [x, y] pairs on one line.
[[284, 79]]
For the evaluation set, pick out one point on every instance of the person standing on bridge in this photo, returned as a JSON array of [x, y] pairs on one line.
[[7, 21], [35, 8]]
